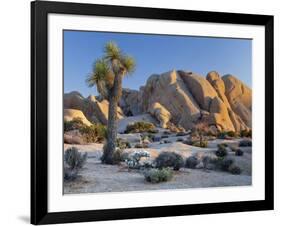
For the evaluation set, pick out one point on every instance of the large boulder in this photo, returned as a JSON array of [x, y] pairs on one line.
[[240, 98], [170, 91], [74, 100], [215, 80], [219, 115], [200, 88], [70, 114], [94, 109], [100, 110], [160, 113], [130, 102]]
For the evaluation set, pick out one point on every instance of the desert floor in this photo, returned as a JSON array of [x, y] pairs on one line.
[[97, 177]]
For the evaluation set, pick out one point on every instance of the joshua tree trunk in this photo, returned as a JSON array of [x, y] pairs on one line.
[[114, 96]]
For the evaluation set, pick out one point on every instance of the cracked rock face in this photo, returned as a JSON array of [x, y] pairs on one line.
[[178, 97]]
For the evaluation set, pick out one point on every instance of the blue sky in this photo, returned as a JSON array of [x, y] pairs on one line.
[[155, 54]]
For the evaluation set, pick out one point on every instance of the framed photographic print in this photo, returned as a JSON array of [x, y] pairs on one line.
[[144, 112]]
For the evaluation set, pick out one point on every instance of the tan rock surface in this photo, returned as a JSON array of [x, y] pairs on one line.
[[219, 115], [70, 114], [240, 98], [218, 84], [200, 88], [94, 110], [170, 91], [100, 110], [160, 113]]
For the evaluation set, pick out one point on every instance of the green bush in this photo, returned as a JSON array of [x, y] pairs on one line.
[[221, 152], [222, 145], [210, 162], [140, 127], [119, 156], [169, 159], [141, 145], [133, 160], [158, 175], [239, 152], [222, 135], [235, 169], [245, 143], [231, 134], [74, 159], [225, 163], [246, 133], [95, 133], [91, 134], [76, 123], [122, 144], [201, 144], [70, 174], [191, 162]]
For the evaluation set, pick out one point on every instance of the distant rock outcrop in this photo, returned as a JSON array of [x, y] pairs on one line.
[[178, 98], [94, 110], [100, 110]]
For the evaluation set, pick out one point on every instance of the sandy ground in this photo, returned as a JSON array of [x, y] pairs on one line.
[[97, 177]]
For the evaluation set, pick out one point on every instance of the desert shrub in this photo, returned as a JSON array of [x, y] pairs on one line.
[[164, 136], [245, 143], [95, 133], [91, 134], [233, 148], [76, 123], [225, 163], [231, 134], [210, 162], [181, 133], [133, 160], [167, 132], [74, 159], [141, 145], [235, 169], [119, 156], [246, 133], [191, 162], [167, 141], [169, 159], [222, 145], [201, 144], [222, 135], [140, 127], [122, 144], [221, 152], [70, 174], [239, 152], [158, 175], [156, 139], [150, 136]]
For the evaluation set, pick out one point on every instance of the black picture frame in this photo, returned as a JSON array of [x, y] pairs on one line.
[[39, 112]]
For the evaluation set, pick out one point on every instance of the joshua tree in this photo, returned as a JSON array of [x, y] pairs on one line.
[[107, 75]]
